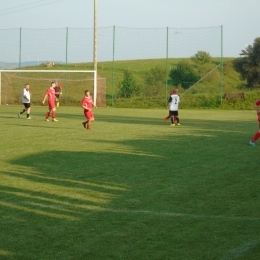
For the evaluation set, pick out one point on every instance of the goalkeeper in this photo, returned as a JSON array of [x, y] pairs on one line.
[[58, 92]]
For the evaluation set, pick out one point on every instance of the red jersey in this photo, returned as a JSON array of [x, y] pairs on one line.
[[51, 94], [87, 102], [257, 103]]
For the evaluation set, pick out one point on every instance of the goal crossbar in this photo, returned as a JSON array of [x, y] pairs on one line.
[[53, 71]]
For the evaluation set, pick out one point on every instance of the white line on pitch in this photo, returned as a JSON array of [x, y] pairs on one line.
[[238, 252]]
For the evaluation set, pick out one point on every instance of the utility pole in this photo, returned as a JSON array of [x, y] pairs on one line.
[[95, 50], [95, 35]]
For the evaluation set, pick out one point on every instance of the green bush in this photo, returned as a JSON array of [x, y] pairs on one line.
[[200, 101]]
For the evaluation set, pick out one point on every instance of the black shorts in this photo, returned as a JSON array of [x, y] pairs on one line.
[[57, 96], [173, 113], [27, 105]]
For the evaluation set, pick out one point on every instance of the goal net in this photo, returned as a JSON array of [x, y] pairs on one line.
[[73, 82]]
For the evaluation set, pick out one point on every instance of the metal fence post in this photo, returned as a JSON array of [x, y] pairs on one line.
[[166, 76], [113, 65]]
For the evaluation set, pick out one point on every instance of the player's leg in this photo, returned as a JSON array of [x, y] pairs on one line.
[[19, 114], [167, 118], [89, 123], [28, 110], [90, 117], [57, 102], [177, 118], [54, 114], [257, 135], [86, 115], [255, 138], [48, 114], [171, 113]]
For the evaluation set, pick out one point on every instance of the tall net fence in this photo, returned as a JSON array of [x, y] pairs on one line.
[[132, 62]]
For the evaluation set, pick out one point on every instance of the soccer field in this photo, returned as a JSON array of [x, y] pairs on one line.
[[131, 188]]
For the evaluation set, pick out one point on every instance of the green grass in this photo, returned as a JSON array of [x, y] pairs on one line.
[[131, 188]]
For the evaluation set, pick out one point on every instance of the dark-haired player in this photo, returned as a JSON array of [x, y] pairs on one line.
[[87, 104], [50, 93]]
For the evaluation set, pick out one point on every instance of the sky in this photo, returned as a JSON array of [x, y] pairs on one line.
[[240, 18]]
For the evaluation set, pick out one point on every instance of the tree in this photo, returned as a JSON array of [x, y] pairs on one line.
[[249, 65], [155, 78], [184, 74], [128, 87], [201, 57]]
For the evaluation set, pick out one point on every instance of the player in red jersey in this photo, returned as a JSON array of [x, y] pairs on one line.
[[50, 93], [87, 104], [257, 135]]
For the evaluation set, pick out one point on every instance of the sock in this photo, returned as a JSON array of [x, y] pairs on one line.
[[47, 114], [22, 111], [28, 115], [175, 119], [172, 120], [167, 117], [178, 120], [53, 114], [257, 135]]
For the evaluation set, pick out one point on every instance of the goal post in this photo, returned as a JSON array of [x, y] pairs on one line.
[[79, 80]]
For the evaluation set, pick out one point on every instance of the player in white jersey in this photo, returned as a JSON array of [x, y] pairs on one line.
[[26, 99], [173, 106]]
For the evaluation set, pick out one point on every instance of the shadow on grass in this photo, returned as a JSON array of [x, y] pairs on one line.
[[99, 205]]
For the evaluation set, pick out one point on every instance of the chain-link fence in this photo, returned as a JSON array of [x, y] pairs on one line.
[[133, 61]]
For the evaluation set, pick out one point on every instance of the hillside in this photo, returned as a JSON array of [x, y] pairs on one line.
[[113, 73]]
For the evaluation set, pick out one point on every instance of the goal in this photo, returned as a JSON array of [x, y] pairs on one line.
[[74, 83]]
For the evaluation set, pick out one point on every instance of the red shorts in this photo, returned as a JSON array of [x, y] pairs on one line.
[[51, 105], [88, 114]]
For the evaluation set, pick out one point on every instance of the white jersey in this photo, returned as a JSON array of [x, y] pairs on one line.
[[174, 101], [27, 94]]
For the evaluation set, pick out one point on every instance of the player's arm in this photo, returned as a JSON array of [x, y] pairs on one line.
[[84, 106], [26, 97], [169, 102], [44, 99]]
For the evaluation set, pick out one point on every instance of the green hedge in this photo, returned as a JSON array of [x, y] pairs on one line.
[[201, 101]]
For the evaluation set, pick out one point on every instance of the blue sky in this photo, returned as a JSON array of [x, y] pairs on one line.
[[240, 18]]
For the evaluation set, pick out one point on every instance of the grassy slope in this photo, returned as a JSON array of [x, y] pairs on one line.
[[132, 188], [140, 67], [74, 90]]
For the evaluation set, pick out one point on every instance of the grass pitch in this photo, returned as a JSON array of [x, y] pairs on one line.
[[131, 188]]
